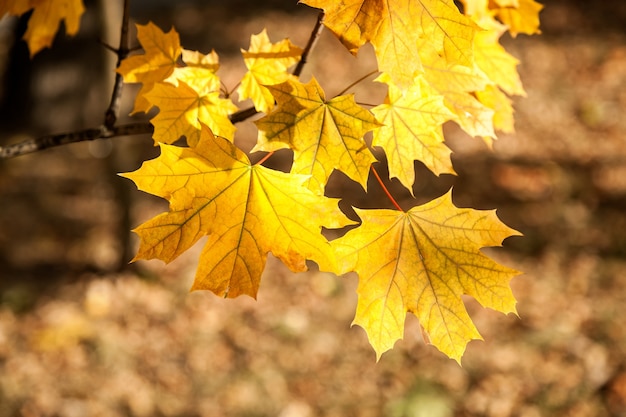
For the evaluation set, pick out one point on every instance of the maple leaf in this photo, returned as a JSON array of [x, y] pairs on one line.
[[199, 72], [182, 110], [457, 84], [44, 22], [394, 29], [497, 64], [267, 64], [246, 210], [161, 53], [423, 261], [324, 135], [501, 105], [521, 19], [412, 130]]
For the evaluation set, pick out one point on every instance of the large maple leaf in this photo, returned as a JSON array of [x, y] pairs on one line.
[[45, 20], [324, 135], [412, 130], [267, 64], [246, 210], [394, 27], [160, 57], [182, 110], [423, 261]]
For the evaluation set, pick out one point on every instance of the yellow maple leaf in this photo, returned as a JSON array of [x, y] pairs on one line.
[[182, 111], [44, 23], [422, 262], [324, 135], [394, 27], [501, 105], [497, 64], [160, 57], [521, 19], [267, 64], [412, 130], [199, 72], [246, 210], [457, 84]]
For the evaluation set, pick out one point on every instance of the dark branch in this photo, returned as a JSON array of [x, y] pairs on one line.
[[315, 34], [51, 141], [112, 113], [108, 129]]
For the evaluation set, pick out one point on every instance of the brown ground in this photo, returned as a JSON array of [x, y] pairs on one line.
[[78, 337]]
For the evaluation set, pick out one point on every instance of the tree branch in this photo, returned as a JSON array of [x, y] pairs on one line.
[[315, 35], [108, 129], [51, 141], [113, 111]]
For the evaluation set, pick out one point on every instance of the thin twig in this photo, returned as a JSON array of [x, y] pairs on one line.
[[363, 78], [108, 129], [315, 34], [244, 114], [113, 111]]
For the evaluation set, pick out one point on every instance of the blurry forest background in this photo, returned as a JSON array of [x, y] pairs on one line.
[[82, 333]]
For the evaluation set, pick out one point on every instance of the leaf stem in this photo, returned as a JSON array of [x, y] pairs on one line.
[[380, 181], [265, 158], [369, 74]]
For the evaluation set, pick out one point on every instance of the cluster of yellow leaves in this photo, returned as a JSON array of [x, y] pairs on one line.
[[438, 64], [45, 20]]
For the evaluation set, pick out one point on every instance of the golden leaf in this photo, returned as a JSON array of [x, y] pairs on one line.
[[161, 53], [394, 29], [182, 110], [422, 262], [267, 64], [324, 135], [412, 130], [45, 20], [246, 210]]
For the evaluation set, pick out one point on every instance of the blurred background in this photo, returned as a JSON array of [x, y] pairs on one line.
[[83, 333]]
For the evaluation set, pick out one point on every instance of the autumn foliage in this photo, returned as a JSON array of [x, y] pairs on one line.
[[438, 63]]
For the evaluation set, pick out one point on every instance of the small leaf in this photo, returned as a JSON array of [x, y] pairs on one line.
[[412, 130], [199, 72], [182, 110], [161, 53], [324, 135], [423, 261], [44, 22], [267, 64], [521, 19]]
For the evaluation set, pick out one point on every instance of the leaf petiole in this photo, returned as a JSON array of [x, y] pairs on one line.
[[380, 181]]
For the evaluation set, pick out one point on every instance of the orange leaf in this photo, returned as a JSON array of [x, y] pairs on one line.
[[423, 261], [161, 53], [394, 28], [246, 210], [45, 20]]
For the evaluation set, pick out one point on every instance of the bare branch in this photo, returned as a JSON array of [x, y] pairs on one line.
[[51, 141], [112, 112], [108, 129], [315, 34]]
